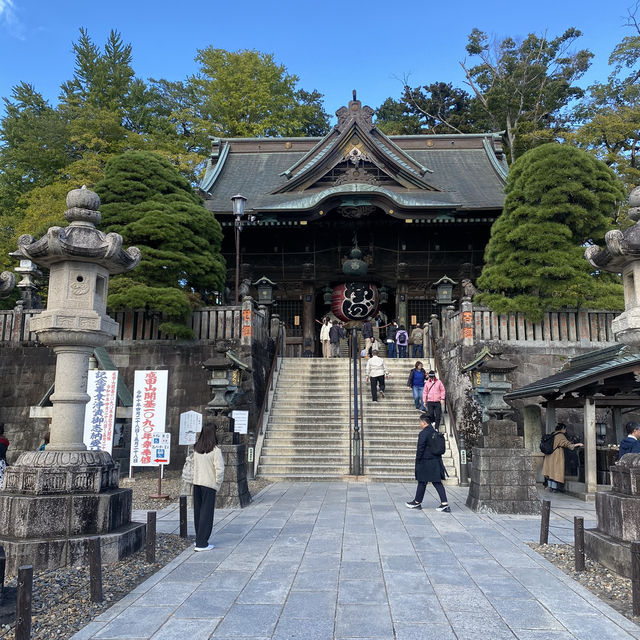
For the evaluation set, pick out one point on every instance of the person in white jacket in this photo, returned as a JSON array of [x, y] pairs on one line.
[[376, 374], [208, 473], [325, 338]]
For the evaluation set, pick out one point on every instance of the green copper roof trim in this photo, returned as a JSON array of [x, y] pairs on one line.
[[307, 155], [211, 175], [495, 163], [400, 152]]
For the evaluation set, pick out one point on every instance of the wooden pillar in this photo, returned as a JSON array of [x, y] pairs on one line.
[[590, 475], [401, 304], [308, 320], [550, 417], [617, 424]]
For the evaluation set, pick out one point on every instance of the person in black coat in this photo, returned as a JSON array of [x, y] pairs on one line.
[[630, 444], [429, 468]]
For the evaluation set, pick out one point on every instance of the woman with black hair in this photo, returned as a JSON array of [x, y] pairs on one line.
[[208, 473], [4, 445]]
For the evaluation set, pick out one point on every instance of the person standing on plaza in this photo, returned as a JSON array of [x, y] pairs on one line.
[[392, 329], [402, 341], [417, 377], [4, 445], [376, 374], [335, 334], [553, 465], [433, 396], [325, 338], [208, 473], [416, 338], [429, 467], [630, 444]]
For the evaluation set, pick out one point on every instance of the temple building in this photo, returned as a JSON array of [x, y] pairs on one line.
[[418, 207]]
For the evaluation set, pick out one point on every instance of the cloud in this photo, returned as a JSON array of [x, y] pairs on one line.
[[9, 19]]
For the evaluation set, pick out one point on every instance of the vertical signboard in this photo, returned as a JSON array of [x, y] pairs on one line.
[[190, 426], [100, 413], [149, 414]]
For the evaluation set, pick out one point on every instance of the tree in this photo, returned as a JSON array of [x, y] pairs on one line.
[[522, 87], [152, 207], [247, 94], [558, 200], [394, 118]]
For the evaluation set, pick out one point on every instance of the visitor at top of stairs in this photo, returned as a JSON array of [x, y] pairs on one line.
[[325, 338], [402, 340], [335, 334], [416, 338], [392, 330]]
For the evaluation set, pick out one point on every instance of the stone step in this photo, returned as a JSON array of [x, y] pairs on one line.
[[308, 460], [303, 469]]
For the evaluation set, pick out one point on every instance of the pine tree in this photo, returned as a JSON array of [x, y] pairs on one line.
[[558, 200], [152, 207]]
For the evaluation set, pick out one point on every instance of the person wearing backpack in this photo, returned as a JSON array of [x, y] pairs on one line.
[[402, 340], [553, 466], [429, 466]]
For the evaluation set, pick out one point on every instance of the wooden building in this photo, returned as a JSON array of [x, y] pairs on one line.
[[419, 207]]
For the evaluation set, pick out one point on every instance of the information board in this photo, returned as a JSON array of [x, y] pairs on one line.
[[190, 426], [160, 448], [100, 412], [240, 421]]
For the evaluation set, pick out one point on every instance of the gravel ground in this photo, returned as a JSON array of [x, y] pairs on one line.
[[610, 587], [61, 598]]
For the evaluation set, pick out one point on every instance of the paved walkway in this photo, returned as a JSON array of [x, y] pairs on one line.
[[325, 561]]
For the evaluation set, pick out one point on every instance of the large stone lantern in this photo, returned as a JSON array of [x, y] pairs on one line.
[[55, 499]]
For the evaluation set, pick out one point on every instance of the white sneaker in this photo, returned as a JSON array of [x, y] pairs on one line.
[[207, 548]]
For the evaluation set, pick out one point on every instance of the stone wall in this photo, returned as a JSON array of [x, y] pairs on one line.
[[28, 372]]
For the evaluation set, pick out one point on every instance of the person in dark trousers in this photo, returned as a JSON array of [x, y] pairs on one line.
[[429, 468], [376, 371], [367, 330], [630, 444], [402, 341], [553, 465], [417, 376], [392, 329], [335, 334], [208, 473], [433, 396], [4, 445]]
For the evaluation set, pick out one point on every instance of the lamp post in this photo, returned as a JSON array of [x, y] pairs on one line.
[[238, 211]]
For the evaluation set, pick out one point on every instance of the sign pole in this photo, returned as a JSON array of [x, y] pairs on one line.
[[160, 495]]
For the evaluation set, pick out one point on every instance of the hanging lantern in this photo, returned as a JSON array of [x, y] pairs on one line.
[[355, 301]]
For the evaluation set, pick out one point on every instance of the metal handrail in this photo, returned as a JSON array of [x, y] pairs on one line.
[[453, 431], [269, 386], [361, 414]]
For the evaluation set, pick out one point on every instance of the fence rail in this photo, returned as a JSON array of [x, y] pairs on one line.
[[207, 323], [556, 326]]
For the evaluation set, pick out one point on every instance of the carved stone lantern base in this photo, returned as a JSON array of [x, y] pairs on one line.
[[618, 514], [234, 491], [502, 474], [54, 501]]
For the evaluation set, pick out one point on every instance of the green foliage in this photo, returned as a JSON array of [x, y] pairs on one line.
[[522, 87], [247, 94], [559, 199], [394, 118], [152, 207]]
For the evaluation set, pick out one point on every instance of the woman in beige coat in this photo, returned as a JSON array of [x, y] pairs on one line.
[[553, 466], [208, 473]]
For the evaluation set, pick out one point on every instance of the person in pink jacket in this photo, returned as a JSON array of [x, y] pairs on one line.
[[433, 398]]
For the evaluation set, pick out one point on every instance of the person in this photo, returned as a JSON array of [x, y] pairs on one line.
[[335, 333], [433, 398], [402, 340], [630, 444], [208, 473], [367, 330], [373, 345], [417, 376], [429, 468], [416, 338], [376, 374], [553, 465], [392, 329], [4, 445], [46, 438], [325, 339]]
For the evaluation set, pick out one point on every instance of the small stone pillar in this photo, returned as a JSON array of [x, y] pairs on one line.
[[466, 322]]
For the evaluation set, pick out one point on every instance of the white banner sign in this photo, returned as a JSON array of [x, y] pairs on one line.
[[240, 421], [160, 448], [149, 414], [100, 413], [190, 426]]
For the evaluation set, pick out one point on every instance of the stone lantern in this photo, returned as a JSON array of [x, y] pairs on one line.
[[67, 494], [7, 282]]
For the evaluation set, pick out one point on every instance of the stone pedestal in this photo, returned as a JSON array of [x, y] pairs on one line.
[[54, 501], [502, 475], [618, 517], [234, 491]]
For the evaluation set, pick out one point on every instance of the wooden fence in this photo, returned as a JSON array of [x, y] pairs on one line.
[[208, 323], [561, 326]]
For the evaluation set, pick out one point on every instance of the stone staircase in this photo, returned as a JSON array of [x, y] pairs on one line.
[[307, 433]]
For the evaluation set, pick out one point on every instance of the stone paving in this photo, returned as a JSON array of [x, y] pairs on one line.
[[340, 561]]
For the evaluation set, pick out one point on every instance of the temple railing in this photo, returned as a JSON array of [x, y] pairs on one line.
[[472, 324], [208, 323]]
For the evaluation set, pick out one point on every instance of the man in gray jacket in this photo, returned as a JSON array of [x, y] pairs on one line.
[[376, 374]]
